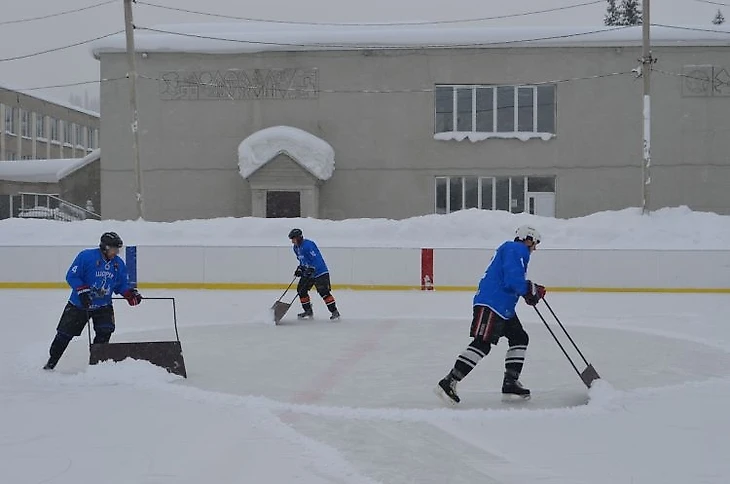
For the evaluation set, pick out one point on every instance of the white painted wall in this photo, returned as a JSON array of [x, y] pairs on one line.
[[390, 266]]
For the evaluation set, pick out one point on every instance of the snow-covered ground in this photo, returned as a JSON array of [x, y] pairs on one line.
[[352, 402], [671, 228]]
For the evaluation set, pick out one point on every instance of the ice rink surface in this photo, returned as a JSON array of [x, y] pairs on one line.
[[352, 401]]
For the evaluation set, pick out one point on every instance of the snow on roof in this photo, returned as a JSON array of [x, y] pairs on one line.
[[50, 100], [248, 37], [314, 154], [44, 171]]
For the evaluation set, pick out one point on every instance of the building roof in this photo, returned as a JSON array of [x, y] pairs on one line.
[[249, 37], [312, 153], [44, 171], [50, 100]]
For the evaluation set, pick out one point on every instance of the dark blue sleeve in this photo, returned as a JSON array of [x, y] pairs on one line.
[[515, 269], [75, 273], [123, 282]]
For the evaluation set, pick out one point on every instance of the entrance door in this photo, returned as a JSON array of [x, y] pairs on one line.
[[283, 204], [542, 204]]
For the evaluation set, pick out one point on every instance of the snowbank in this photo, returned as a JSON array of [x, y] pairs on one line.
[[670, 228], [314, 154]]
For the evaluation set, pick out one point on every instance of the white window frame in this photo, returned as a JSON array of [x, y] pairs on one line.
[[79, 136], [26, 130], [54, 126], [11, 111], [495, 133], [480, 184], [41, 133], [67, 129]]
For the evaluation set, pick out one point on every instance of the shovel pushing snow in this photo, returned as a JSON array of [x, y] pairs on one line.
[[589, 375], [166, 354], [280, 308]]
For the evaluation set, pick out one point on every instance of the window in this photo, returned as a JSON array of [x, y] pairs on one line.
[[55, 132], [79, 135], [90, 139], [11, 116], [67, 133], [26, 157], [24, 123], [40, 126], [510, 194], [516, 110], [10, 155]]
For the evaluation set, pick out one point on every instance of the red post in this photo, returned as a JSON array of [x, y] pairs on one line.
[[427, 269]]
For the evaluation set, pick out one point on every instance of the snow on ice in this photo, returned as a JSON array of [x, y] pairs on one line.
[[351, 402]]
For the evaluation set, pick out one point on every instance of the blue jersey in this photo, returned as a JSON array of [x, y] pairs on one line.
[[505, 279], [90, 269], [310, 256]]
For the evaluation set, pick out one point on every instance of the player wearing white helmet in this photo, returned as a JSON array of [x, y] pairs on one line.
[[494, 315]]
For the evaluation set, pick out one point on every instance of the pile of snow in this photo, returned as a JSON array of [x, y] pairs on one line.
[[671, 228], [314, 154]]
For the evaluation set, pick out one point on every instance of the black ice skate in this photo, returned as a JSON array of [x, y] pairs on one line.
[[335, 315], [306, 315], [446, 390], [513, 390], [50, 365]]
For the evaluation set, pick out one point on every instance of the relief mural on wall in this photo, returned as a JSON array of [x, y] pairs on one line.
[[240, 84], [705, 81]]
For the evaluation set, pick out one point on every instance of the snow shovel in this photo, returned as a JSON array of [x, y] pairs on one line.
[[166, 354], [280, 308], [589, 375]]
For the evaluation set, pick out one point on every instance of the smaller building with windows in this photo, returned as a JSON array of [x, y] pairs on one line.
[[419, 120], [37, 128]]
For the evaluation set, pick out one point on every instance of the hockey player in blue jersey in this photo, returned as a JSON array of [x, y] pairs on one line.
[[94, 276], [312, 271], [494, 316]]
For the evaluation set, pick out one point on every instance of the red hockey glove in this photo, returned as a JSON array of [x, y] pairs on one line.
[[132, 296], [84, 296], [535, 292]]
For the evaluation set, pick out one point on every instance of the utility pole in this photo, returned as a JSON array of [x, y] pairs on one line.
[[132, 75], [646, 66]]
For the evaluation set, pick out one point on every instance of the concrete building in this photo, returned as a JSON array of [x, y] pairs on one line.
[[37, 128], [419, 120], [61, 189]]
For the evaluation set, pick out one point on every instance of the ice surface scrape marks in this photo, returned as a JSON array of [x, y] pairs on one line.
[[348, 358]]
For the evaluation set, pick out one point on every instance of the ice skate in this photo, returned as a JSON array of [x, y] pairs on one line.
[[335, 315], [306, 315], [50, 365], [513, 390], [446, 391]]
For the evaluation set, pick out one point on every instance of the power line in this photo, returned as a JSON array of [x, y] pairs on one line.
[[374, 24], [56, 49], [692, 29], [714, 3], [326, 91], [383, 47], [57, 14]]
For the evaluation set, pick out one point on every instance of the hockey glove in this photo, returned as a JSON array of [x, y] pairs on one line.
[[84, 296], [132, 296], [298, 272], [535, 292]]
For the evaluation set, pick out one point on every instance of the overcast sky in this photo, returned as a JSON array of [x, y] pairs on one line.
[[77, 64]]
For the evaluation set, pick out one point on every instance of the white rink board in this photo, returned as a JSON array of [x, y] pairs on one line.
[[462, 268]]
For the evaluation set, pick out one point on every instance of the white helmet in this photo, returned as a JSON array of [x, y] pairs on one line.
[[525, 231]]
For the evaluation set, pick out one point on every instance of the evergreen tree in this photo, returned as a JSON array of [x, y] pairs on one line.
[[630, 12], [719, 18], [613, 15]]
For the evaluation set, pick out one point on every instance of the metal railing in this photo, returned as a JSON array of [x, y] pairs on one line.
[[50, 207]]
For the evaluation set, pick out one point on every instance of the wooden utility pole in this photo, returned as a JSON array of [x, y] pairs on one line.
[[646, 66], [132, 75]]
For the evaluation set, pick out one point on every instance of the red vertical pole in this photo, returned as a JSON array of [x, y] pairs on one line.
[[427, 269]]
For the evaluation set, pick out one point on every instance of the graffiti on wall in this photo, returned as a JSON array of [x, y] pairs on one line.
[[705, 81], [240, 84]]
